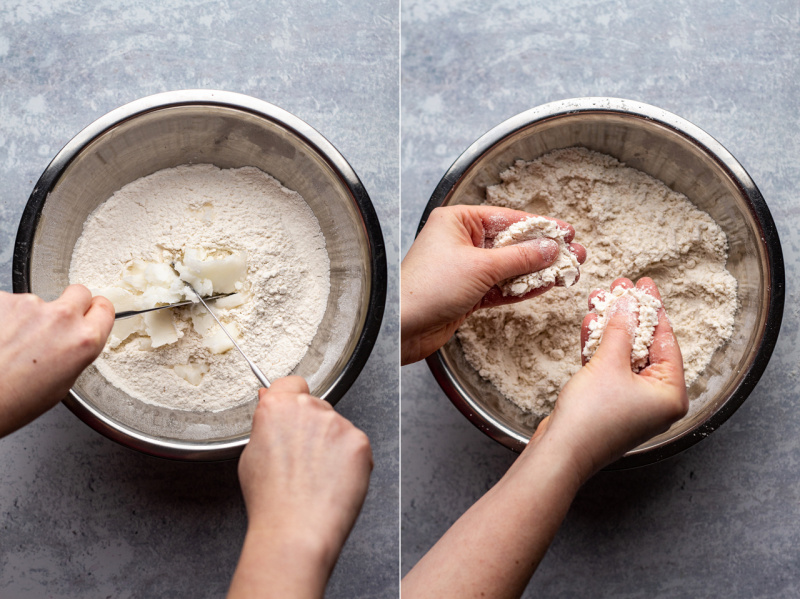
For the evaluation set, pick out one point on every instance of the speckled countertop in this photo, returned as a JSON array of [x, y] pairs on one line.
[[79, 515], [723, 518]]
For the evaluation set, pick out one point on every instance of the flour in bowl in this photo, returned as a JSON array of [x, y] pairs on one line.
[[234, 231], [632, 225]]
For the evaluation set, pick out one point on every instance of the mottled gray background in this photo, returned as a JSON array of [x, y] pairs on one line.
[[79, 515], [722, 519]]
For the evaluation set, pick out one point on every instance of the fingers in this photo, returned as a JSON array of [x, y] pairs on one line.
[[648, 285], [597, 293], [523, 258], [601, 293], [292, 388], [496, 219], [617, 341], [101, 315], [495, 297], [585, 332], [78, 295], [622, 282], [665, 346], [579, 251], [289, 384]]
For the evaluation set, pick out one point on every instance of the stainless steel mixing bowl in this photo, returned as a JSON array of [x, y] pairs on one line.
[[228, 130], [688, 160]]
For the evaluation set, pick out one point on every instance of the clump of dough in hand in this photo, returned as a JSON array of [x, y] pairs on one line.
[[646, 308], [564, 271]]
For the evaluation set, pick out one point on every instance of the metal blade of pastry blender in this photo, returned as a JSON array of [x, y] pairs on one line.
[[131, 313], [256, 370]]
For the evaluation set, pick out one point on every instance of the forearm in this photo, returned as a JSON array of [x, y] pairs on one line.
[[494, 548], [411, 323], [19, 408], [276, 565]]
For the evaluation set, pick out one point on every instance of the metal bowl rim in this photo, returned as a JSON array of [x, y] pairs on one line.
[[224, 449], [711, 147]]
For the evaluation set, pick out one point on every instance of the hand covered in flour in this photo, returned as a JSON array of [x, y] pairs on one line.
[[605, 409], [44, 347], [448, 274], [304, 476]]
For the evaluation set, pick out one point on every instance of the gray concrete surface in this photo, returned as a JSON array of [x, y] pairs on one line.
[[722, 519], [79, 515]]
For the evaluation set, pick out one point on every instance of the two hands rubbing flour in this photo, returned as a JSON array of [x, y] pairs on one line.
[[565, 272], [632, 224]]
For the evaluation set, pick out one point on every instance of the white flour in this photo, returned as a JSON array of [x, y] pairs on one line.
[[633, 225], [564, 271], [243, 212], [646, 308]]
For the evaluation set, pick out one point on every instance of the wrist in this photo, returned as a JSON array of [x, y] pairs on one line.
[[292, 539], [282, 562], [547, 457], [410, 330]]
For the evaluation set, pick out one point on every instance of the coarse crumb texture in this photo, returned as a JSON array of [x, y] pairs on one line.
[[564, 271], [632, 225], [243, 211], [646, 308]]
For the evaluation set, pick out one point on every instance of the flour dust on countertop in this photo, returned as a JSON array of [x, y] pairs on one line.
[[632, 226], [238, 229]]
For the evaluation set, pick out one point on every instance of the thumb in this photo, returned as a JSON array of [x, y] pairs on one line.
[[286, 384], [617, 342], [523, 258]]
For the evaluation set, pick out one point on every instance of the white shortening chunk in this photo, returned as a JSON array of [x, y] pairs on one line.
[[191, 373], [647, 308], [159, 296], [161, 274], [160, 327], [123, 329], [218, 341], [133, 275], [146, 285], [214, 338], [202, 321], [157, 283], [232, 301], [213, 273], [123, 301]]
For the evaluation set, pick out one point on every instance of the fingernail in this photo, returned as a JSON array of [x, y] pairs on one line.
[[547, 248]]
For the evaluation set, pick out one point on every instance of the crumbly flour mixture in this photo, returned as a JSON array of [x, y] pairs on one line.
[[632, 225], [239, 227], [646, 308], [564, 271]]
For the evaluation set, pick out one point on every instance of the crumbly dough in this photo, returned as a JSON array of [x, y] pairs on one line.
[[208, 219], [564, 271], [632, 225], [646, 308]]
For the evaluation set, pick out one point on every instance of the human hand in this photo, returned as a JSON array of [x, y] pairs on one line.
[[447, 274], [605, 409], [44, 347], [304, 477]]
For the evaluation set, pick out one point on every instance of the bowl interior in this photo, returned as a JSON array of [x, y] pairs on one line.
[[228, 138], [685, 166]]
